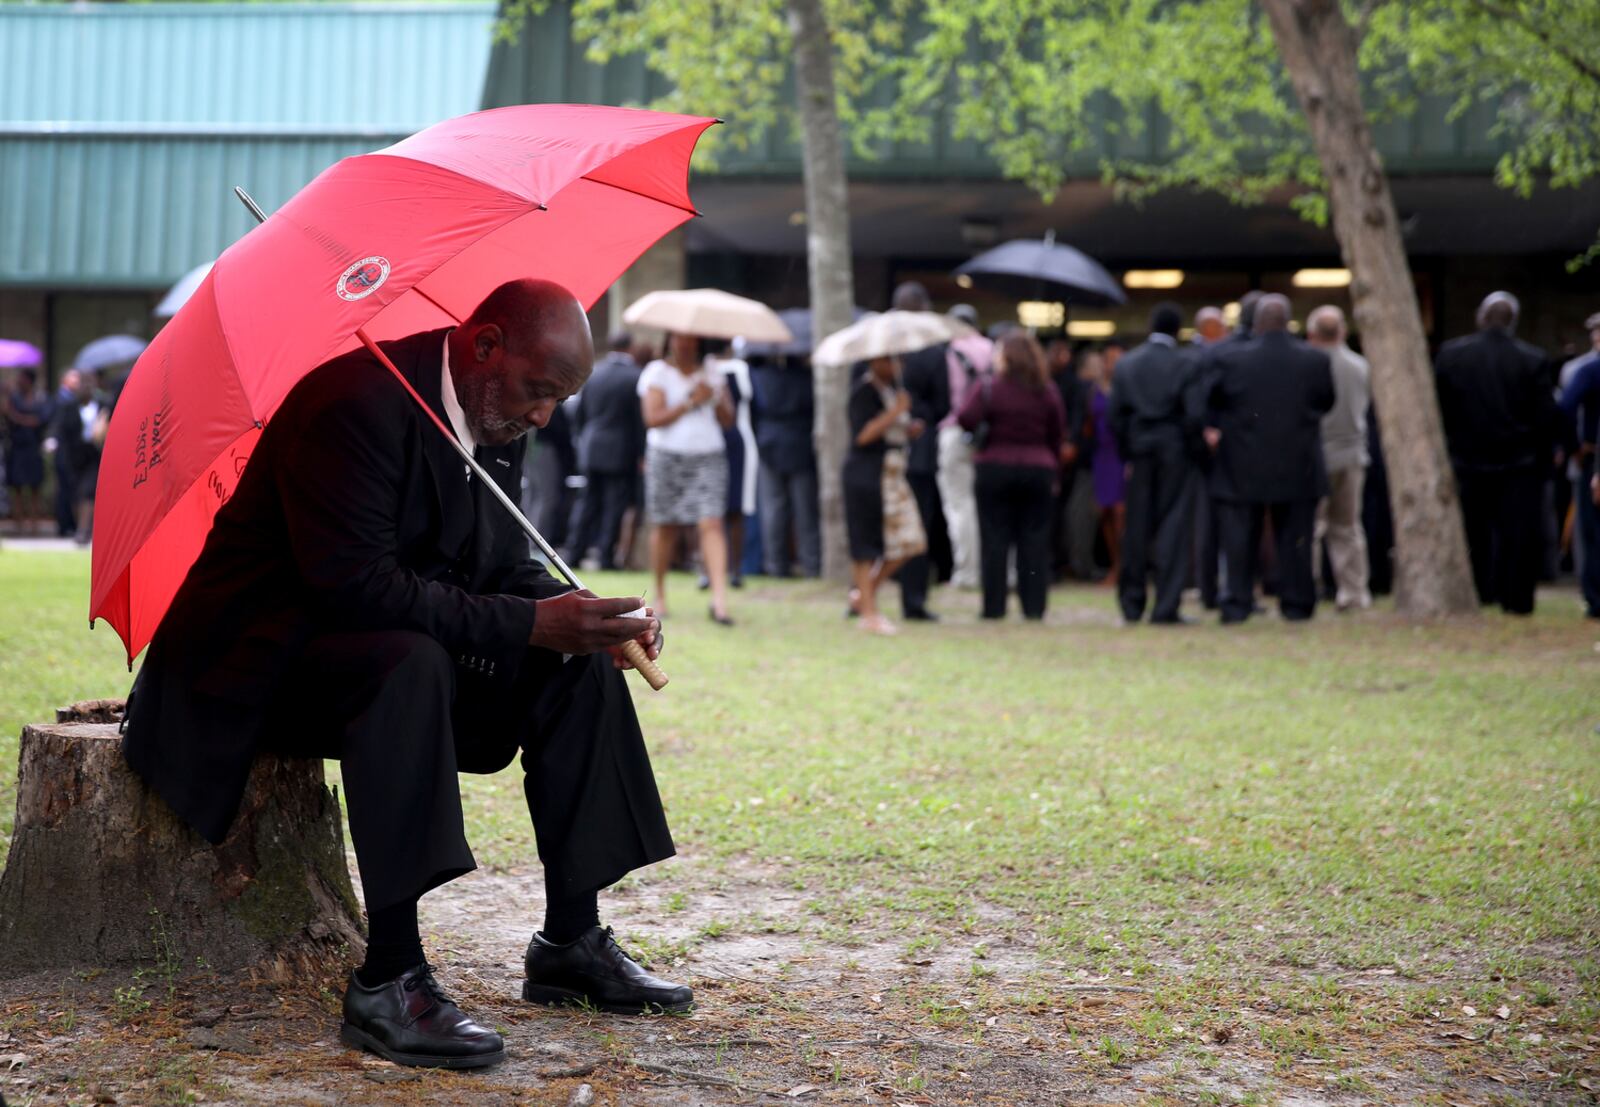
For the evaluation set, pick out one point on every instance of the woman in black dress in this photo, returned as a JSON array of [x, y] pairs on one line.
[[879, 509]]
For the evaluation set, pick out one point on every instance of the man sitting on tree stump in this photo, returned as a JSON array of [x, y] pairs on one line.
[[358, 598]]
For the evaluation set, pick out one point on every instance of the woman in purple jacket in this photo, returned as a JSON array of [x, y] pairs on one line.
[[1023, 426]]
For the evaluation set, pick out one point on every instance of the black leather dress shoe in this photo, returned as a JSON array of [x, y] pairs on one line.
[[594, 971], [921, 615], [411, 1021]]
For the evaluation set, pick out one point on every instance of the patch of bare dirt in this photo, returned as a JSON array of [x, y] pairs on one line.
[[783, 1016]]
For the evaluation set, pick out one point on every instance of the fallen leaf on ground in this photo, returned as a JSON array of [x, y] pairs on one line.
[[1503, 1013], [800, 1090], [1469, 1010]]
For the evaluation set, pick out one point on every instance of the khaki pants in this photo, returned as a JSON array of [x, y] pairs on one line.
[[1339, 521], [956, 477]]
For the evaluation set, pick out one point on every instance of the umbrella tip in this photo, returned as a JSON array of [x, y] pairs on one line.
[[718, 119]]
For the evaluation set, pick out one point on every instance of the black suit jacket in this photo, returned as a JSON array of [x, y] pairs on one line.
[[354, 513], [1268, 396], [1154, 407], [1495, 399], [783, 408], [926, 378], [608, 419]]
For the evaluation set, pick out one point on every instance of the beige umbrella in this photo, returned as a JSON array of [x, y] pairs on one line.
[[709, 313], [888, 335]]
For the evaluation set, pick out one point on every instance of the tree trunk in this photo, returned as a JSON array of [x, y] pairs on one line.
[[1433, 575], [828, 261], [101, 872]]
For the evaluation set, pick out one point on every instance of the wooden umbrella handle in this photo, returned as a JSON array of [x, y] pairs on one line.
[[652, 672]]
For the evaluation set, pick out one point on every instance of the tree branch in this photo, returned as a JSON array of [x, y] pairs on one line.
[[1545, 37]]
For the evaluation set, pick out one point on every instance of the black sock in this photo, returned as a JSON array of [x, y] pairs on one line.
[[393, 944], [567, 918]]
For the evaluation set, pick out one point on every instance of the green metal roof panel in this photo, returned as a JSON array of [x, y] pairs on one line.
[[139, 212], [123, 128], [390, 67]]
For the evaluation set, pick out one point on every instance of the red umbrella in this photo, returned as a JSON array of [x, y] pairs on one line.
[[406, 239]]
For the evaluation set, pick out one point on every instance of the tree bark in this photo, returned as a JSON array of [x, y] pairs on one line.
[[832, 281], [101, 872], [1433, 574]]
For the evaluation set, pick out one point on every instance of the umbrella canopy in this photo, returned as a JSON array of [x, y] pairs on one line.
[[406, 239], [888, 335], [1032, 268], [709, 313], [113, 349], [19, 355], [179, 293], [798, 320]]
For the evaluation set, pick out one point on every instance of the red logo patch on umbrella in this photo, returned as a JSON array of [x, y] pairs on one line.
[[363, 278]]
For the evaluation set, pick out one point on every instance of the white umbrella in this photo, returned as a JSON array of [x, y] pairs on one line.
[[709, 313], [179, 294], [888, 335]]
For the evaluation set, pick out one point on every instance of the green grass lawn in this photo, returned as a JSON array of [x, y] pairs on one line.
[[1237, 810]]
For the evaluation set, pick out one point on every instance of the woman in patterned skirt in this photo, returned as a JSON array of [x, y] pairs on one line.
[[686, 466], [879, 509]]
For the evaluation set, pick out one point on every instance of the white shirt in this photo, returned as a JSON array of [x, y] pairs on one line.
[[454, 415], [696, 431]]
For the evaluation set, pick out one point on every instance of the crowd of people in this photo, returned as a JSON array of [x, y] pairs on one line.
[[67, 428], [1232, 462]]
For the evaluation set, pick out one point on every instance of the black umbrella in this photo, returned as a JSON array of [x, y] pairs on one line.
[[798, 320], [1030, 267]]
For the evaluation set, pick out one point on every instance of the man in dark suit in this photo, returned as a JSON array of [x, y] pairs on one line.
[[1266, 399], [1156, 417], [926, 378], [784, 407], [608, 424], [1500, 423], [1207, 541], [362, 597]]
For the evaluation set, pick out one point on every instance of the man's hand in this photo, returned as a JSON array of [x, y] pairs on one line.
[[915, 428], [1069, 453], [1594, 489], [1212, 436], [651, 639], [577, 622]]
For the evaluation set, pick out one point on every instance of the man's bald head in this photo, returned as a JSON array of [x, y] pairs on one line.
[[1499, 309], [523, 350], [911, 296], [1272, 313], [1325, 326]]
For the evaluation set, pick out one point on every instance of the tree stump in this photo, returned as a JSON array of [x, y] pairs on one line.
[[102, 873]]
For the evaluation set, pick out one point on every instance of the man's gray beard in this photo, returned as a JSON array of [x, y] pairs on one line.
[[484, 390]]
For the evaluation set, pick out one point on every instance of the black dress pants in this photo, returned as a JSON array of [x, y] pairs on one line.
[[1502, 512], [403, 717], [1239, 526], [1160, 515], [597, 516], [1014, 513]]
